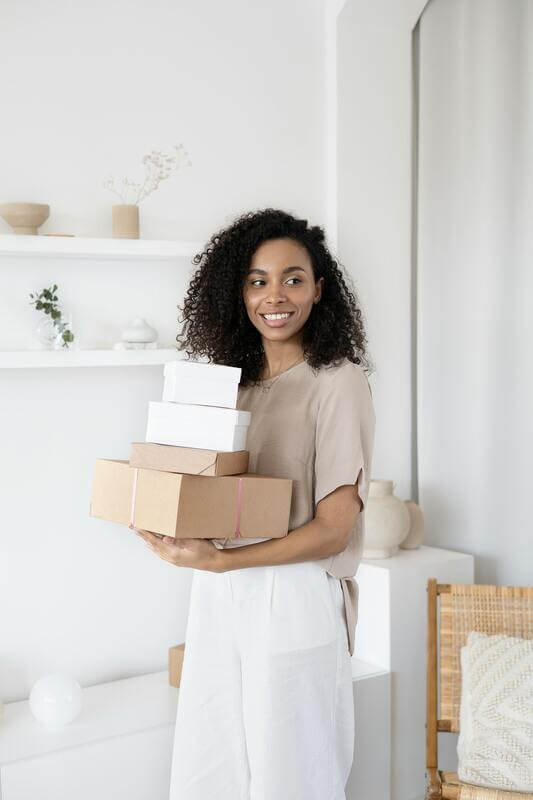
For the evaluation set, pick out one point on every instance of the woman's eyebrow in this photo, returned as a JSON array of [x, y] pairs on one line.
[[264, 272]]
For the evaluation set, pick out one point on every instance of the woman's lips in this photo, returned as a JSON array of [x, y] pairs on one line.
[[276, 323]]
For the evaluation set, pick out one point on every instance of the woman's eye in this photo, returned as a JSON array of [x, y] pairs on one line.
[[258, 280]]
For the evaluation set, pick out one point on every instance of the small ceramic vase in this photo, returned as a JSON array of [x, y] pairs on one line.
[[125, 221], [415, 537], [387, 520], [25, 217]]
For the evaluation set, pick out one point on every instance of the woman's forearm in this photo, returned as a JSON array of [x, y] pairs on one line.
[[311, 541]]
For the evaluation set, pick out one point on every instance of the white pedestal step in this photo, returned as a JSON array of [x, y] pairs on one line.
[[120, 746], [370, 775], [391, 632]]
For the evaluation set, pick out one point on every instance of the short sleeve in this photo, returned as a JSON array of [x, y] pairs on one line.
[[345, 430]]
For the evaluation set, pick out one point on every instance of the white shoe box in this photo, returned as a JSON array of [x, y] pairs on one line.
[[197, 383], [196, 392], [205, 427]]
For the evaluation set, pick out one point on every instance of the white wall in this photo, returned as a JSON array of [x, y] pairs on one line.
[[475, 248], [374, 140], [92, 88], [376, 160]]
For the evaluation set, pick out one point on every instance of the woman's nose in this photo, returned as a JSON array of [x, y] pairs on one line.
[[277, 295]]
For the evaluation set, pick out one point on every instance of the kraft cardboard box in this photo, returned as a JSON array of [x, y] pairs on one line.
[[191, 506], [192, 460], [175, 663]]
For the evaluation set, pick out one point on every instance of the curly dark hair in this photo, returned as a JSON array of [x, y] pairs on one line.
[[216, 323]]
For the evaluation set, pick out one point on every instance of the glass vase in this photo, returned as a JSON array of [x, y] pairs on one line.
[[56, 334]]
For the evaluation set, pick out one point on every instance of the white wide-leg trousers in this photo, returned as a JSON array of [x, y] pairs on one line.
[[265, 708]]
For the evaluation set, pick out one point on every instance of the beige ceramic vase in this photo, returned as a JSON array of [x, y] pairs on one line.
[[387, 520], [25, 218], [125, 221], [415, 537]]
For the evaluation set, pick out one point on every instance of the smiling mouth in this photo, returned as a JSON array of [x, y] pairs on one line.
[[274, 315]]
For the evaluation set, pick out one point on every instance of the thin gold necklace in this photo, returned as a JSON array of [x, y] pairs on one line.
[[267, 388]]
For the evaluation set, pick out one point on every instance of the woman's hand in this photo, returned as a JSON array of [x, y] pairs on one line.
[[195, 553]]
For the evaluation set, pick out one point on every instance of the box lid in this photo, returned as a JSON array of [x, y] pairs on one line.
[[190, 412], [188, 369]]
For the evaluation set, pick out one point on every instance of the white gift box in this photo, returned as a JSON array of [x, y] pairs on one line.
[[199, 383], [205, 427]]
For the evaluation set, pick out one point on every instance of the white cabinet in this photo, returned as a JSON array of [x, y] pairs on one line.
[[391, 632], [135, 766], [370, 775], [118, 748]]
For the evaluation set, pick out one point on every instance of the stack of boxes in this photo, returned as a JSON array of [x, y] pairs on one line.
[[189, 478]]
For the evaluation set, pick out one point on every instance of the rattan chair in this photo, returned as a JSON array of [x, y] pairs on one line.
[[459, 609]]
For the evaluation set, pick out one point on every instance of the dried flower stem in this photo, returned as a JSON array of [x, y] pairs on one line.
[[158, 167]]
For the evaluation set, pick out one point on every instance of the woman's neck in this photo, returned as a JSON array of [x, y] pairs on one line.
[[280, 361]]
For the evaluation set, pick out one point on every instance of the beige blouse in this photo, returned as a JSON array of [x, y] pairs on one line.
[[316, 428]]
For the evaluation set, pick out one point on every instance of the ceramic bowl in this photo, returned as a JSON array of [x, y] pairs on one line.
[[25, 217]]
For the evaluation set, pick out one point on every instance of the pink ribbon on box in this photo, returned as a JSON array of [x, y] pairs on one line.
[[238, 510], [133, 496]]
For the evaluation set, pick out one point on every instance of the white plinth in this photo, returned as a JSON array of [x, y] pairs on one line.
[[370, 775], [120, 746], [391, 632]]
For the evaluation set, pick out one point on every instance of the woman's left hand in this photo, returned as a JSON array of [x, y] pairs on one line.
[[195, 553]]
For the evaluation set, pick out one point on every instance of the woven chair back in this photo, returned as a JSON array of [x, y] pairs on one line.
[[476, 607]]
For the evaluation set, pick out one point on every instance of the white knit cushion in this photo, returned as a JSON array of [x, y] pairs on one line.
[[495, 745]]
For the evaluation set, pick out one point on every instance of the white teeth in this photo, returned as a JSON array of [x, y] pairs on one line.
[[276, 316]]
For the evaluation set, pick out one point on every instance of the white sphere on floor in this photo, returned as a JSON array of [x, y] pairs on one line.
[[56, 699]]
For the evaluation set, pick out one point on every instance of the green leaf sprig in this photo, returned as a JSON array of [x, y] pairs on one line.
[[45, 301]]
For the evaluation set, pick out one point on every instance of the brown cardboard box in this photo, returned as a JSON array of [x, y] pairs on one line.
[[192, 460], [194, 506], [175, 663]]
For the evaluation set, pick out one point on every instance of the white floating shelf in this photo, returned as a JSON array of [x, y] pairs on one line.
[[86, 247], [15, 359]]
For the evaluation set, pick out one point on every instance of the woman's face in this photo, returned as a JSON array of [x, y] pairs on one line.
[[280, 280]]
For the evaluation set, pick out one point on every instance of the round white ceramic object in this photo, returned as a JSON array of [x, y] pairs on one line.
[[56, 699], [139, 331]]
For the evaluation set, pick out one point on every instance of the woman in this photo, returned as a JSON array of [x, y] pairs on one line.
[[265, 707]]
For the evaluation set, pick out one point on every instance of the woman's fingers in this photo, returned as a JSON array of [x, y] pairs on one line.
[[175, 550], [156, 537], [148, 535]]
